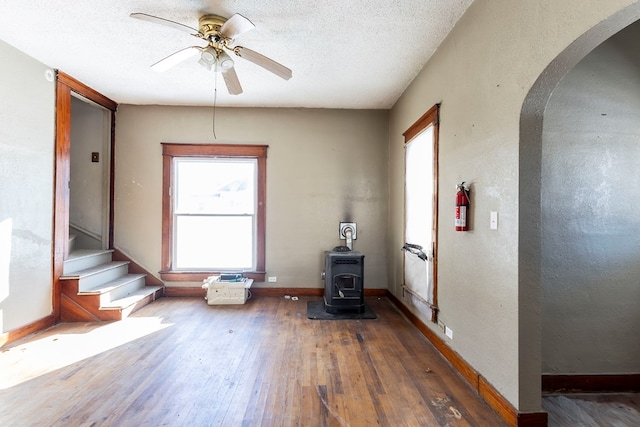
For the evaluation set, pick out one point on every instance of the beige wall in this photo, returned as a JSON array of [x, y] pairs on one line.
[[481, 74], [26, 189], [323, 166]]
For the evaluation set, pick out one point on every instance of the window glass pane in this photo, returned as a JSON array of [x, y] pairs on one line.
[[220, 186], [214, 242], [419, 192], [419, 189]]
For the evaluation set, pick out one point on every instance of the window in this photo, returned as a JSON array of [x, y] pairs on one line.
[[421, 209], [213, 207]]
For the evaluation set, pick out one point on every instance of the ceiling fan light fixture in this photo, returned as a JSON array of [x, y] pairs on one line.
[[208, 57], [224, 62]]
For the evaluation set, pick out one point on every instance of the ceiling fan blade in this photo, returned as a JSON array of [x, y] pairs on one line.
[[235, 26], [175, 58], [231, 80], [162, 21], [264, 62]]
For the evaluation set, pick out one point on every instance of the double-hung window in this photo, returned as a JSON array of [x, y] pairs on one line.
[[213, 210], [421, 208]]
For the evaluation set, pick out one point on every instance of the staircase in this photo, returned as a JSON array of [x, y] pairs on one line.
[[95, 287]]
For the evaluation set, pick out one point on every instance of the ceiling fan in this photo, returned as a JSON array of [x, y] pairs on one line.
[[219, 34]]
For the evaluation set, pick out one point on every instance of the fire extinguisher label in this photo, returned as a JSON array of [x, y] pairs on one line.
[[461, 216]]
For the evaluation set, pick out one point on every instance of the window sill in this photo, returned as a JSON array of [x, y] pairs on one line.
[[199, 276]]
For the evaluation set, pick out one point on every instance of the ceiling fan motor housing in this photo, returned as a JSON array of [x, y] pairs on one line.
[[209, 26]]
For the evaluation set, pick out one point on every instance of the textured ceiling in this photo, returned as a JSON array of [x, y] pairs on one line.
[[344, 54]]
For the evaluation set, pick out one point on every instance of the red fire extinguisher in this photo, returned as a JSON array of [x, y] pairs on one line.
[[462, 207]]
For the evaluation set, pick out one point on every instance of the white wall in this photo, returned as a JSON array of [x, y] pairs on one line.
[[590, 201], [481, 74], [323, 166], [90, 127], [26, 189]]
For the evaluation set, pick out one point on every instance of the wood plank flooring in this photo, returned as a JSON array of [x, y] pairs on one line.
[[593, 410], [180, 362]]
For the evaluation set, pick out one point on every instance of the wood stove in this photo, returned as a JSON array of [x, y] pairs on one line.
[[343, 281]]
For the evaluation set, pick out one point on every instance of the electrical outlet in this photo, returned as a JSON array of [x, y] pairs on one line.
[[448, 332], [272, 279]]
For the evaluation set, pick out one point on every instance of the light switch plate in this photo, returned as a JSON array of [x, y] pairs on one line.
[[493, 222]]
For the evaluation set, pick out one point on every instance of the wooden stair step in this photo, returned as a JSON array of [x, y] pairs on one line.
[[85, 253], [86, 272], [80, 259], [94, 286], [132, 299], [110, 286]]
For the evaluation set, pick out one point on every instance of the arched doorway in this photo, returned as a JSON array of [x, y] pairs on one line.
[[534, 257]]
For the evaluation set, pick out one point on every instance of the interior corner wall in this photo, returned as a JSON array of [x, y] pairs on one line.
[[481, 75], [590, 239], [90, 125], [27, 124], [323, 167]]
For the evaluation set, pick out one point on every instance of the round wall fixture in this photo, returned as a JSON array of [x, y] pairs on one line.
[[48, 74]]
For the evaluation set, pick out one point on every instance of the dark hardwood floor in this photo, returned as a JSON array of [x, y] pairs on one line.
[[593, 410], [180, 362]]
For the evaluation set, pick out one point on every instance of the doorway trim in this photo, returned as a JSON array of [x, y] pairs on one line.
[[65, 85]]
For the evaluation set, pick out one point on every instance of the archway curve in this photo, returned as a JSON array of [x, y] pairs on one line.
[[529, 215]]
